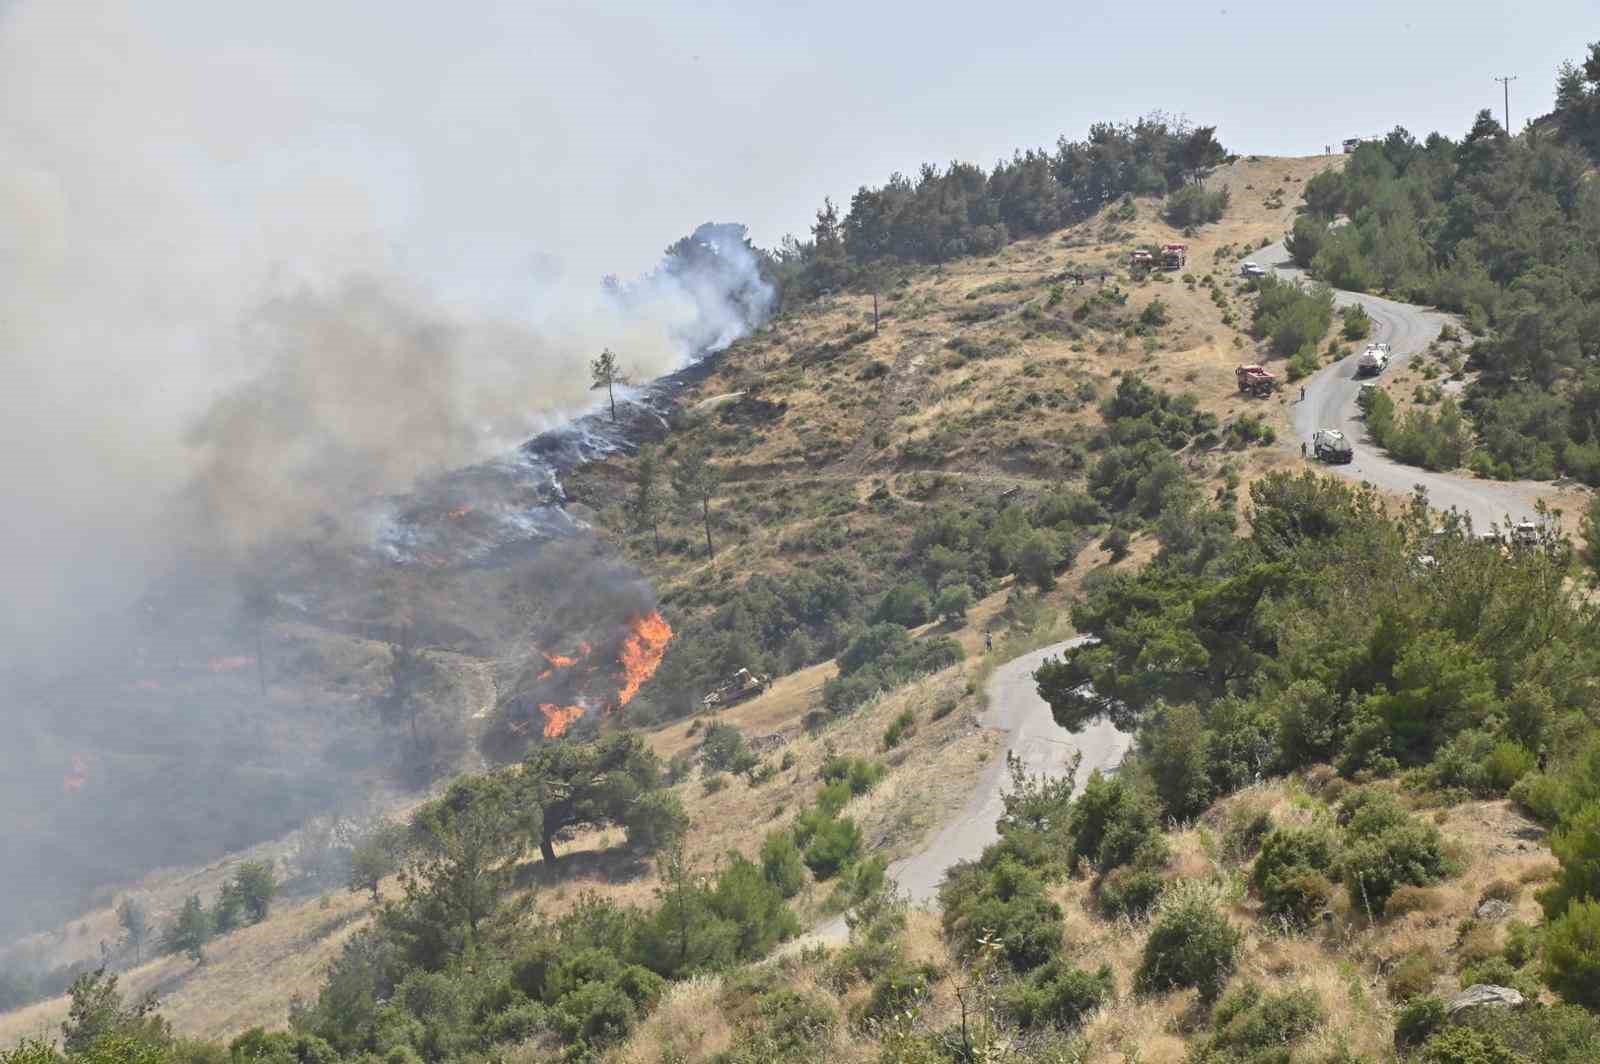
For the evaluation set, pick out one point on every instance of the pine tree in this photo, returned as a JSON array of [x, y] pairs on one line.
[[135, 926], [605, 373], [696, 481], [645, 507]]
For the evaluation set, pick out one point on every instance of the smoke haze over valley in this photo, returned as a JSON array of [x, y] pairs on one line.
[[258, 279]]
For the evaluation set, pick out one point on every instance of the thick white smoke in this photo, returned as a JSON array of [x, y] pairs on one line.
[[275, 265]]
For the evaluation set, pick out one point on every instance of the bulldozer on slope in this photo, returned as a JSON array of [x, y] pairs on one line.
[[738, 687]]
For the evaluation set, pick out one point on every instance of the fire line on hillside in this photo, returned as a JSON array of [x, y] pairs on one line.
[[639, 657]]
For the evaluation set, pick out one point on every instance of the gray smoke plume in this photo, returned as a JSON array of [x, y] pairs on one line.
[[278, 278], [259, 266]]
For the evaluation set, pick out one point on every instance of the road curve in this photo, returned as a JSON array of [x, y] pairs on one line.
[[1044, 746], [1330, 402]]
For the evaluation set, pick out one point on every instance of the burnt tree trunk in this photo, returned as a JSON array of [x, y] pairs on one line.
[[705, 513]]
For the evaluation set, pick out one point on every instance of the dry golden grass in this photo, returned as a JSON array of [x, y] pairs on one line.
[[688, 1024], [248, 979]]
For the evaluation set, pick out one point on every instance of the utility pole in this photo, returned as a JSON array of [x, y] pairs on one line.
[[1505, 83]]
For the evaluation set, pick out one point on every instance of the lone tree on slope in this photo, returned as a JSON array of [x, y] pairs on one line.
[[696, 481], [605, 373], [616, 781], [645, 506]]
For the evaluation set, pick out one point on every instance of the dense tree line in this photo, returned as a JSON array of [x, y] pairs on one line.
[[963, 209]]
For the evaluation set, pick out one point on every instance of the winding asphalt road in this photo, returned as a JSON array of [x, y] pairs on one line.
[[1330, 402], [1044, 747]]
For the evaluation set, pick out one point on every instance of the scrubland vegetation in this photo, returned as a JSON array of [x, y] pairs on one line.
[[1367, 768]]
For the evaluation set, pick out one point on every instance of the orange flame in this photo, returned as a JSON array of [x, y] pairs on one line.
[[229, 664], [74, 780], [642, 652], [456, 515], [561, 661], [557, 719]]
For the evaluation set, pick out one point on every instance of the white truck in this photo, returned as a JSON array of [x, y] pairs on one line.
[[1373, 361], [1330, 445]]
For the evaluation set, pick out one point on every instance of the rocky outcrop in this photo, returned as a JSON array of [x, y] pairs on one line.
[[1483, 995]]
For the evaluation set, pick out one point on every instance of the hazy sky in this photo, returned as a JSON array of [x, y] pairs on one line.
[[593, 134]]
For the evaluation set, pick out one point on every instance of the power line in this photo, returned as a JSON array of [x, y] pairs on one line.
[[1505, 83]]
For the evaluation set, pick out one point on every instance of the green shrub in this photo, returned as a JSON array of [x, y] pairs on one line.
[[899, 728], [1116, 543], [1417, 1020], [953, 603], [1110, 822], [1506, 764], [1576, 845], [1558, 1034], [1464, 1045], [1155, 314], [1289, 873], [1522, 943], [1303, 363], [781, 863], [1129, 890], [835, 844], [1414, 974], [861, 774], [1541, 796], [1191, 945], [1059, 994], [859, 881], [905, 604], [785, 1025], [1572, 954], [1247, 827], [897, 989], [1355, 322], [1195, 205], [1006, 901], [1388, 848], [1249, 1025], [1289, 318], [833, 797], [723, 749]]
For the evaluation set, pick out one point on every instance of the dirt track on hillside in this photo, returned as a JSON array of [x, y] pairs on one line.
[[1044, 747]]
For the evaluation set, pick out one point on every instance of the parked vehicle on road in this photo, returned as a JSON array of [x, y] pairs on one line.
[[1330, 445], [1251, 269], [1373, 361]]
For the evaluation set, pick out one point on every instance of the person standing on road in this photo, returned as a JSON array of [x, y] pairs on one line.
[[988, 640], [1302, 448], [1302, 393]]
